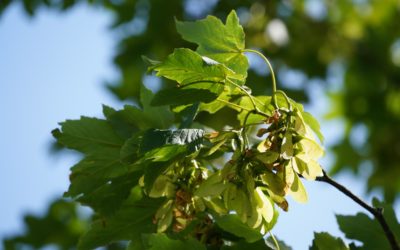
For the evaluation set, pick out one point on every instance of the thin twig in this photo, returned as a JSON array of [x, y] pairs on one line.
[[376, 212]]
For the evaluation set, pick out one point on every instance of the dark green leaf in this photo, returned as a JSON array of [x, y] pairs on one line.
[[130, 119], [242, 244], [131, 220], [162, 242], [107, 198], [282, 245], [367, 230], [325, 241], [88, 135], [130, 150], [232, 224], [198, 92], [188, 115], [152, 172]]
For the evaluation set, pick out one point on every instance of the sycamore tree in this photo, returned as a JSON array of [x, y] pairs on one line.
[[157, 176]]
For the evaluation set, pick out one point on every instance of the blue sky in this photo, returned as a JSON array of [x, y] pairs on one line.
[[52, 68]]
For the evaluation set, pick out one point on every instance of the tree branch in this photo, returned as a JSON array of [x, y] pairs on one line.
[[376, 212]]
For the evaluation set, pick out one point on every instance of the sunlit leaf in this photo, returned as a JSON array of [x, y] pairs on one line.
[[232, 224], [223, 43], [265, 204], [297, 190], [313, 124], [287, 146], [212, 186], [186, 67]]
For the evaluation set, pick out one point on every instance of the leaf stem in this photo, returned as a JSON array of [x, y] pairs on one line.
[[274, 101], [244, 91], [275, 241], [254, 111], [375, 211], [286, 98], [233, 104], [244, 134]]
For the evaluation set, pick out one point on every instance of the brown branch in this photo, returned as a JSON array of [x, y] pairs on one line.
[[376, 212]]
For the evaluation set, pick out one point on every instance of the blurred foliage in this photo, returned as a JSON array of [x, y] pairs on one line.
[[60, 226]]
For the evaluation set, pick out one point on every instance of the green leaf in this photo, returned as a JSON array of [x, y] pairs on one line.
[[131, 119], [310, 170], [268, 157], [188, 114], [312, 150], [363, 228], [160, 117], [212, 186], [287, 146], [325, 241], [152, 172], [121, 121], [95, 170], [131, 220], [87, 135], [263, 103], [187, 94], [258, 245], [92, 178], [108, 197], [223, 43], [155, 138], [313, 124], [265, 205], [216, 205], [232, 224], [129, 152], [229, 94], [297, 190], [186, 67], [162, 242], [274, 182], [282, 245], [242, 244], [162, 154]]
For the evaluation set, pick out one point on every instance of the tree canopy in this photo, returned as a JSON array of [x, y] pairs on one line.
[[361, 38]]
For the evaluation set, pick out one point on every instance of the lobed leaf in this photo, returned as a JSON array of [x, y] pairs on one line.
[[325, 241], [223, 43], [367, 230], [187, 67], [131, 220]]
